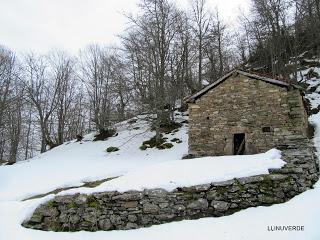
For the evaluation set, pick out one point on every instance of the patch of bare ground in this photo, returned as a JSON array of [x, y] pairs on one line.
[[92, 184]]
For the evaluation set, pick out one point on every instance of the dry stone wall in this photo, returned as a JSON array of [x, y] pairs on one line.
[[264, 112], [135, 209]]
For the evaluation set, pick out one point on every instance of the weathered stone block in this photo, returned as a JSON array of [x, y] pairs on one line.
[[220, 205], [199, 204]]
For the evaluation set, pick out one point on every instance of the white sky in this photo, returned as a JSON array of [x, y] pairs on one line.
[[40, 25]]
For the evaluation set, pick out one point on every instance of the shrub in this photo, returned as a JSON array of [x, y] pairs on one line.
[[165, 146], [112, 149], [176, 140], [143, 147], [104, 134], [168, 127], [153, 142]]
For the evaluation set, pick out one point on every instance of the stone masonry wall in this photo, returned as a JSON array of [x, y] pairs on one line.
[[244, 105], [135, 209]]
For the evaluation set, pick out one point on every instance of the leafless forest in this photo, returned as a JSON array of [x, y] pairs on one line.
[[164, 55]]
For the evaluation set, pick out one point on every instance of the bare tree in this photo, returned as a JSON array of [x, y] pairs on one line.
[[158, 26], [42, 93], [201, 25], [96, 75]]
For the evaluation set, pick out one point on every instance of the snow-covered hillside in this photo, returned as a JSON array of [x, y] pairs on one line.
[[74, 163]]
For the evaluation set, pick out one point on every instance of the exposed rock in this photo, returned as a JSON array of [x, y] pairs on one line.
[[105, 224], [131, 226], [132, 218], [129, 196], [220, 205], [199, 204], [150, 208], [131, 204]]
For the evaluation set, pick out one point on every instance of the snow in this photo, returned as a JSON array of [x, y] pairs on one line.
[[74, 163], [248, 224], [184, 173]]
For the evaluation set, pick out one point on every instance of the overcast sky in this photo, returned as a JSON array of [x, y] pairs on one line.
[[40, 25]]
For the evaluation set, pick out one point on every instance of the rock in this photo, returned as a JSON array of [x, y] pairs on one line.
[[116, 220], [202, 187], [131, 204], [199, 204], [163, 205], [129, 196], [220, 205], [247, 180], [234, 188], [233, 205], [74, 219], [63, 217], [131, 226], [36, 218], [214, 195], [197, 188], [132, 218], [64, 199], [266, 199], [105, 224], [156, 193], [90, 217], [47, 211], [224, 183], [179, 208], [278, 177], [165, 217], [150, 208], [81, 199]]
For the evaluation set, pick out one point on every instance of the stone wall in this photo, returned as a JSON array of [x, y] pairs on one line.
[[134, 209], [264, 112]]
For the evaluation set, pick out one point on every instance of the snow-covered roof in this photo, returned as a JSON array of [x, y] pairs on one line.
[[203, 91]]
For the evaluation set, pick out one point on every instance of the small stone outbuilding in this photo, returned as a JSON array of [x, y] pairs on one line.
[[244, 113]]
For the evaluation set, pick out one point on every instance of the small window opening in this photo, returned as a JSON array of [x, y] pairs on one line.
[[266, 129], [239, 143]]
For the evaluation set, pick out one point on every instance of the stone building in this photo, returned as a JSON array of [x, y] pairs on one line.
[[244, 113]]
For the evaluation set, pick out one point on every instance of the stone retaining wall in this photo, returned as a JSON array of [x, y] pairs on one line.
[[134, 209]]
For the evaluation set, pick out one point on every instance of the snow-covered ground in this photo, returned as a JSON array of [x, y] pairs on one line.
[[184, 173], [75, 163]]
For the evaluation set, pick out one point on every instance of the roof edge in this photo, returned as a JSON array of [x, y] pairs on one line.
[[195, 96]]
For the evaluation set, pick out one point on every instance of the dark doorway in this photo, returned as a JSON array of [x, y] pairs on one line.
[[239, 143]]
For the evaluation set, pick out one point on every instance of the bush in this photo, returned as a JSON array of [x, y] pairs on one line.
[[174, 139], [79, 138], [143, 147], [104, 134], [165, 146], [168, 127], [153, 142], [112, 149]]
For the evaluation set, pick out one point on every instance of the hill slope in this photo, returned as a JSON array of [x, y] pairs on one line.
[[73, 164]]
